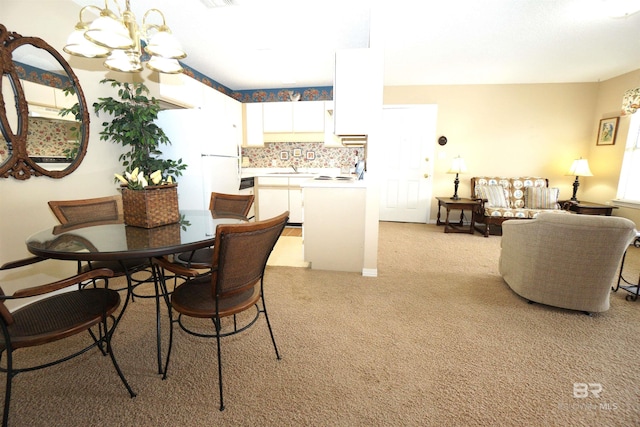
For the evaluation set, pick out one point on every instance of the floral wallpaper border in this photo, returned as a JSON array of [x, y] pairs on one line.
[[321, 93]]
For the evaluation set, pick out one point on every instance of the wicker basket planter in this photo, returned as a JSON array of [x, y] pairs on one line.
[[143, 238], [152, 207]]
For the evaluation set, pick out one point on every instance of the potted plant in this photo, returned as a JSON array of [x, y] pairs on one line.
[[133, 126]]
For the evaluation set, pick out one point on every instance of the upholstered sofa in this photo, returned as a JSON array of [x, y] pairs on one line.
[[504, 198], [568, 261]]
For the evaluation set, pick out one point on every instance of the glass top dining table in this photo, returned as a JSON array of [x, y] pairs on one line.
[[115, 241]]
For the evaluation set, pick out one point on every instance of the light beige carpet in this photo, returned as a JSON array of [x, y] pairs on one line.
[[437, 339]]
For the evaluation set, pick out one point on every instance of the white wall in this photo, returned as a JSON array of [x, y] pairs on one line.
[[23, 204]]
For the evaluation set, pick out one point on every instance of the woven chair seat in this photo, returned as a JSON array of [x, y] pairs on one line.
[[194, 299], [130, 266], [60, 316], [200, 258]]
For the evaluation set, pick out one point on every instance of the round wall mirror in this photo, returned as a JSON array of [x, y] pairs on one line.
[[44, 121]]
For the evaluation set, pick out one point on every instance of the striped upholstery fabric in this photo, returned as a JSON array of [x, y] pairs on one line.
[[495, 195], [541, 198]]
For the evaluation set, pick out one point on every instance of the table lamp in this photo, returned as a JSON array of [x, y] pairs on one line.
[[579, 167], [457, 166]]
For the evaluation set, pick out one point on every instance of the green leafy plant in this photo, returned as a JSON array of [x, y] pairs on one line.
[[133, 126]]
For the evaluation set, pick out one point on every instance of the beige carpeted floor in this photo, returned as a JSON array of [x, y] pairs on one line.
[[438, 339]]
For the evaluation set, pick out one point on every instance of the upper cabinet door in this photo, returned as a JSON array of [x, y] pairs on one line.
[[253, 125], [357, 90], [308, 116], [277, 116]]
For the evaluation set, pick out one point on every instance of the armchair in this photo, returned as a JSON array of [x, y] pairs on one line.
[[55, 316], [220, 204], [566, 261], [234, 285]]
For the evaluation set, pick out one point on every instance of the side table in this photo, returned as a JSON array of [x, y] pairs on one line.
[[461, 204], [632, 289], [587, 208]]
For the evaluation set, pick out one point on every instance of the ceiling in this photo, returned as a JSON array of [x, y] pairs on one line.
[[266, 44]]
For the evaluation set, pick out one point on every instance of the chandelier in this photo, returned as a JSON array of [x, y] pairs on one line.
[[118, 38]]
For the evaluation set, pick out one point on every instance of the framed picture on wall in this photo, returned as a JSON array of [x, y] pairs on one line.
[[607, 131], [311, 155], [284, 155], [297, 152]]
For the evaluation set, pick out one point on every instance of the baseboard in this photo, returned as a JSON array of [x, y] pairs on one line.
[[370, 272]]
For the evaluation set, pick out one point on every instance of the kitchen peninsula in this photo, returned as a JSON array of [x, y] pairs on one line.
[[335, 229]]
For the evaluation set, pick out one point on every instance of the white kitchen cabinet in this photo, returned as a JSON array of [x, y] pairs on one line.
[[181, 89], [37, 94], [177, 89], [253, 133], [287, 117], [277, 117], [233, 117], [278, 194], [308, 116], [357, 90], [330, 139], [272, 202], [295, 200]]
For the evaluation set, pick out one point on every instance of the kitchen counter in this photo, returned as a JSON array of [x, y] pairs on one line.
[[288, 172], [337, 182]]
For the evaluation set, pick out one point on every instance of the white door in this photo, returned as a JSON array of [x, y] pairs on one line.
[[409, 133]]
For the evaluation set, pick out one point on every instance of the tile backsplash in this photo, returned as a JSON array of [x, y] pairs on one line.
[[301, 155]]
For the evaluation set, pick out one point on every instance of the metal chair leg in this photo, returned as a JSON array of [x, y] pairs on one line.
[[7, 393], [218, 327]]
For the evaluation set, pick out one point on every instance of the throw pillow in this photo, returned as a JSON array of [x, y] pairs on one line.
[[494, 194], [541, 198]]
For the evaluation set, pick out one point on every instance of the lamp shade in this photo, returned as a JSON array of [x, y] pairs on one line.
[[580, 167], [164, 44], [109, 31], [457, 165], [78, 45], [126, 61], [164, 65]]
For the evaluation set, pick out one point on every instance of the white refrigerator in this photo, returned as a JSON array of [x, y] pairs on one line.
[[208, 144]]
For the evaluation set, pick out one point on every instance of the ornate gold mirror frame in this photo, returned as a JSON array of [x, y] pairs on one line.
[[15, 159]]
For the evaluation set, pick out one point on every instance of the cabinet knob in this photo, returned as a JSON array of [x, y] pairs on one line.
[[426, 175], [426, 159]]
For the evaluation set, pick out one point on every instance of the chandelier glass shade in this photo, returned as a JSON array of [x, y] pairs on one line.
[[119, 38]]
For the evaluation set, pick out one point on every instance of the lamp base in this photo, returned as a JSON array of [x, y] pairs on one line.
[[456, 182], [576, 184]]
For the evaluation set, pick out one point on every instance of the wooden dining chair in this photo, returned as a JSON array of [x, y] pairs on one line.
[[235, 284], [220, 204], [55, 316], [96, 211]]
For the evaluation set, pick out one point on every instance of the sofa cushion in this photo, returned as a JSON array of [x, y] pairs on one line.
[[514, 187], [495, 195], [541, 198]]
